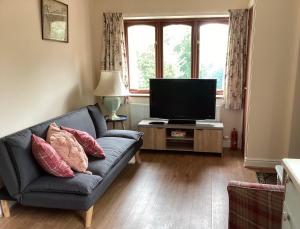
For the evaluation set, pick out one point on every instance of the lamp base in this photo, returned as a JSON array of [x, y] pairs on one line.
[[113, 117], [112, 104]]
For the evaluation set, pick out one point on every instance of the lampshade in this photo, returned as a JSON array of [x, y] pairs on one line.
[[111, 84]]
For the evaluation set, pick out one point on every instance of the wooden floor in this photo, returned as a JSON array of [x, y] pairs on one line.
[[168, 190]]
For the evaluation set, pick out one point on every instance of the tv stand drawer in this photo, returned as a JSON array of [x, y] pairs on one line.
[[209, 141], [154, 138]]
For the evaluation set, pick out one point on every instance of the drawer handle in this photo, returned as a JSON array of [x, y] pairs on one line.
[[285, 216]]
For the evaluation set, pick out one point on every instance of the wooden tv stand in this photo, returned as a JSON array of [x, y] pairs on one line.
[[200, 137]]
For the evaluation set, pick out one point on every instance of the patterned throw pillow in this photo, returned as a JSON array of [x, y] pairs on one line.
[[48, 158], [89, 144], [68, 148]]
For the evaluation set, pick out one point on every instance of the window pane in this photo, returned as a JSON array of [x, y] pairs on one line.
[[141, 52], [177, 51], [212, 52]]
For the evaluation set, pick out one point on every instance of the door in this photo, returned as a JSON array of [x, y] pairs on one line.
[[208, 141], [154, 138]]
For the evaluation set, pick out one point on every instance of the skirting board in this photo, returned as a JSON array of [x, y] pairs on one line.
[[261, 162], [226, 143]]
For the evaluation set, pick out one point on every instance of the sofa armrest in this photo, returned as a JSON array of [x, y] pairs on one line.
[[123, 134], [253, 205]]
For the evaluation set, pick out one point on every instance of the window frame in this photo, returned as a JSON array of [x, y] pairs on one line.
[[159, 24]]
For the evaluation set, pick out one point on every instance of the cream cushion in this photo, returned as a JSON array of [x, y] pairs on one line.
[[68, 148]]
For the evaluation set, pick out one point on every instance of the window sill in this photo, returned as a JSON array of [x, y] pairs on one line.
[[147, 95], [139, 95]]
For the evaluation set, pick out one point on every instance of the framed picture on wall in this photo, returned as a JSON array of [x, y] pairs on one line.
[[55, 21]]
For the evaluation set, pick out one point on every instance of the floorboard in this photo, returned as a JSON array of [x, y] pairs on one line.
[[167, 191]]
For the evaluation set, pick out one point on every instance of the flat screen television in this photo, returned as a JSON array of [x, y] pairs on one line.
[[183, 99]]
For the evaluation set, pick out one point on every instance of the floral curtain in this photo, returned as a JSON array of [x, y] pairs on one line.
[[114, 51], [236, 59]]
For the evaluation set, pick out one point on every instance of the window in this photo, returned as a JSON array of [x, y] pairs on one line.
[[176, 49], [212, 52], [141, 56]]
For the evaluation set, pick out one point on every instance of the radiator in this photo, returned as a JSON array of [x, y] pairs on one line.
[[140, 111], [218, 112]]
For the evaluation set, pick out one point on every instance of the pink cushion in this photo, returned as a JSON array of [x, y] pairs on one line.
[[68, 148], [89, 144], [48, 158]]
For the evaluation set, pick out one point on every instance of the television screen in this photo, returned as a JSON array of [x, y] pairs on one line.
[[183, 98]]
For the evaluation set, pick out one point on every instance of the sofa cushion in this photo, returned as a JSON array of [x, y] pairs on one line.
[[81, 184], [49, 159], [89, 144], [123, 134], [114, 149], [66, 145], [79, 119], [19, 147], [8, 172], [98, 119]]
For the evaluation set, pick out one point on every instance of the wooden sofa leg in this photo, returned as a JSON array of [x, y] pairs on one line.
[[138, 158], [89, 216], [5, 208]]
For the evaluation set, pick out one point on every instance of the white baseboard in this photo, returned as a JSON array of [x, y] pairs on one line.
[[261, 162], [226, 143]]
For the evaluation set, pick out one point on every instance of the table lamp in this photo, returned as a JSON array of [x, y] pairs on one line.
[[111, 88]]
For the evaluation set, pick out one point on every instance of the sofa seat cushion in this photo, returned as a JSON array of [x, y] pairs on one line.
[[123, 134], [81, 184], [114, 149]]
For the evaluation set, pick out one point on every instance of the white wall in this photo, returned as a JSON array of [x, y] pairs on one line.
[[133, 8], [274, 58], [294, 144], [42, 79]]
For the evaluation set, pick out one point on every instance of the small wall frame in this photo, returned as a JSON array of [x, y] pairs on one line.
[[55, 25]]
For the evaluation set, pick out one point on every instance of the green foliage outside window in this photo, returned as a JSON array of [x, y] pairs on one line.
[[183, 51], [146, 65], [208, 71]]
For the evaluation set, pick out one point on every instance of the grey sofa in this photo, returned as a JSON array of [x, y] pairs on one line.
[[25, 182]]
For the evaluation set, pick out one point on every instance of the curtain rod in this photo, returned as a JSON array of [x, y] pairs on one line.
[[128, 17]]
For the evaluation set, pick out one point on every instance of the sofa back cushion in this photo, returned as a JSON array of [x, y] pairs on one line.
[[98, 119], [19, 148], [8, 172], [79, 119]]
